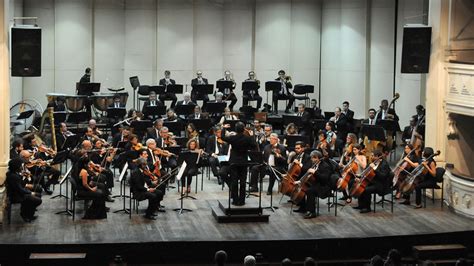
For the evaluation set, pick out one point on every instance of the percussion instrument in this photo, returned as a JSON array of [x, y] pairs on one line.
[[75, 103], [102, 101]]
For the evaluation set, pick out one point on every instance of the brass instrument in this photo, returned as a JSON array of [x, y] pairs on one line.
[[53, 129]]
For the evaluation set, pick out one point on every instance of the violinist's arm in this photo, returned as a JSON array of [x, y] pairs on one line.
[[85, 184]]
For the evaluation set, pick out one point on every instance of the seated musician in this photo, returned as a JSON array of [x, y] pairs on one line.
[[154, 132], [252, 95], [351, 140], [412, 133], [103, 157], [403, 167], [306, 127], [284, 93], [117, 102], [227, 116], [198, 114], [197, 95], [290, 130], [228, 93], [95, 129], [57, 103], [61, 136], [17, 192], [168, 95], [385, 112], [44, 154], [150, 154], [300, 156], [121, 136], [349, 115], [86, 187], [215, 146], [427, 180], [340, 127], [378, 184], [316, 112], [191, 168], [274, 154], [165, 140], [143, 188], [152, 101], [317, 186], [330, 137], [186, 100], [171, 116], [361, 160], [17, 147], [31, 180]]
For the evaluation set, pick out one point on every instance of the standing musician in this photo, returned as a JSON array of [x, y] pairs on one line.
[[385, 112], [86, 187], [18, 193], [349, 115], [167, 95], [318, 186], [229, 92], [252, 95], [284, 93], [379, 182], [274, 156], [306, 127], [427, 180], [238, 160], [215, 146], [411, 134], [421, 117], [340, 127], [196, 95], [142, 188], [86, 78]]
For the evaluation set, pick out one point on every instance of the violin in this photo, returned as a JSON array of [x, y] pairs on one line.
[[162, 152], [137, 147]]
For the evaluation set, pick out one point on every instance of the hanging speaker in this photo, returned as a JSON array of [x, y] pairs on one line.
[[416, 49], [26, 51]]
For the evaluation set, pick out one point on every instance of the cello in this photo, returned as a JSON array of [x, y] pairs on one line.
[[348, 172], [401, 169], [300, 189], [365, 178], [287, 182], [410, 182]]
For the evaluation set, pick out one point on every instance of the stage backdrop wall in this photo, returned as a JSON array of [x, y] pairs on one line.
[[123, 38]]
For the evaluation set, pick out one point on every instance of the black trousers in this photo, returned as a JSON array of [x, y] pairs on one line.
[[29, 204], [256, 97], [428, 183], [195, 96], [153, 198], [365, 199], [188, 174], [233, 100], [238, 177], [97, 208], [260, 171], [277, 96], [169, 96], [309, 201]]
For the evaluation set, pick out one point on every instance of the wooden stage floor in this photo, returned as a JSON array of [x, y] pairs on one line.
[[200, 225]]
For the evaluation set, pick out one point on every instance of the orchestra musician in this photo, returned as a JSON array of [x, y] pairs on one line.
[[143, 188], [284, 93], [318, 186], [378, 184], [57, 103], [191, 168], [428, 179], [330, 137], [197, 95], [228, 93], [316, 112], [404, 167], [385, 112], [165, 140], [17, 147], [17, 193], [252, 95], [215, 146], [290, 130], [306, 127], [86, 187], [61, 136], [360, 159], [349, 115], [275, 157], [168, 95], [102, 157], [121, 136], [117, 102], [192, 133], [95, 129], [299, 155], [198, 114], [227, 116], [152, 101], [411, 132], [238, 160], [154, 132], [187, 99], [86, 78], [340, 127]]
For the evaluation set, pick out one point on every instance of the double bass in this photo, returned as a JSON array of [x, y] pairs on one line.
[[300, 189], [365, 178]]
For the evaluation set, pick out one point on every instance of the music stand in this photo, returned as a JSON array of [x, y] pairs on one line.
[[201, 124], [87, 88], [216, 108], [116, 113], [328, 115], [292, 139], [221, 85], [159, 89], [66, 211], [250, 85], [123, 194], [373, 132], [59, 117], [174, 149], [154, 111], [231, 123], [25, 115], [71, 142], [140, 126], [202, 89], [288, 119], [389, 125], [273, 86], [174, 126], [175, 88], [184, 109], [186, 159]]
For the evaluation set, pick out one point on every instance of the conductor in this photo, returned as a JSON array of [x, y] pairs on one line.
[[240, 145]]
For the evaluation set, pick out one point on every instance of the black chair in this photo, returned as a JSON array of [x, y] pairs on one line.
[[9, 208], [75, 197], [301, 92], [439, 178], [387, 191]]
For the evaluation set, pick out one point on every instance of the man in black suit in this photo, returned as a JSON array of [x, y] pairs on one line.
[[316, 112], [385, 112], [320, 187], [17, 193], [349, 114], [142, 192], [17, 147], [154, 132], [151, 102], [86, 78], [413, 130], [252, 95], [197, 114], [379, 183], [168, 96], [340, 128], [186, 100], [238, 161], [283, 93], [117, 103], [305, 127], [274, 155], [162, 142], [215, 148], [228, 93], [121, 136], [196, 95]]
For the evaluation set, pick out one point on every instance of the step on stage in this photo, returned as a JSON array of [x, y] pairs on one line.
[[194, 237]]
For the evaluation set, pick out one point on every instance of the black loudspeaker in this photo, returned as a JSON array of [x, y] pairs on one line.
[[416, 49], [26, 52]]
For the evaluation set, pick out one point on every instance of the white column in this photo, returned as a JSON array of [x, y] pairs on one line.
[[4, 107]]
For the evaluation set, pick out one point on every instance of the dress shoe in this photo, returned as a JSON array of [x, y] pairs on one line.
[[405, 202], [107, 209], [287, 111], [418, 206], [253, 189], [34, 217], [299, 210], [309, 215], [366, 210], [109, 199], [149, 217], [269, 193], [47, 190], [240, 203], [25, 219], [357, 207], [160, 209], [219, 180]]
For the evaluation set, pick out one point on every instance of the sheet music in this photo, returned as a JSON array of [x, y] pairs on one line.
[[181, 171], [124, 170]]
